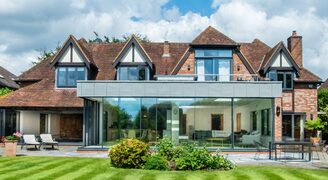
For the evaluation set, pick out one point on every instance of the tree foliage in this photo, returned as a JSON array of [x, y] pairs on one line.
[[123, 39], [45, 54], [5, 90]]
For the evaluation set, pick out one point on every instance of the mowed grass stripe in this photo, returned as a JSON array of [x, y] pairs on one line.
[[12, 168], [316, 174], [63, 169], [88, 171], [104, 175], [94, 170], [13, 161], [77, 166], [26, 173]]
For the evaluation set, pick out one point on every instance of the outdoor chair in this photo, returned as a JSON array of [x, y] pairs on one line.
[[46, 139], [29, 139], [259, 149]]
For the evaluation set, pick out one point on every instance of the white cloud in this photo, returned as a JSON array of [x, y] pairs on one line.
[[42, 24]]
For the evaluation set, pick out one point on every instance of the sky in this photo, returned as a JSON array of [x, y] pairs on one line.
[[26, 27]]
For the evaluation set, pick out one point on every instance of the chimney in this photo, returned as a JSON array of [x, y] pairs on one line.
[[295, 47], [166, 49]]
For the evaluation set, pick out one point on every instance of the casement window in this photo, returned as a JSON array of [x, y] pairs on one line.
[[285, 77], [67, 76], [265, 122], [213, 64], [133, 73]]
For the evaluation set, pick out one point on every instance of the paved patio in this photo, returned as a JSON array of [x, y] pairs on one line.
[[319, 161]]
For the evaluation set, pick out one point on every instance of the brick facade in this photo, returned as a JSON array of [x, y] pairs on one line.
[[189, 62], [306, 101], [287, 101], [239, 69], [277, 120]]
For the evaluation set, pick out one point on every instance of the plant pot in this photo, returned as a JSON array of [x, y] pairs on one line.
[[315, 140], [10, 148]]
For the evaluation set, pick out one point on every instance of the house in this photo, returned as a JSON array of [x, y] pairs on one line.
[[7, 81], [210, 90]]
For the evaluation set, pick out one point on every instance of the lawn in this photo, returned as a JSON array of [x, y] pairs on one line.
[[88, 168]]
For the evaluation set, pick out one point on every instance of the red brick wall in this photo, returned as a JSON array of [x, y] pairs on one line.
[[306, 101], [287, 101], [191, 62], [243, 72], [277, 120]]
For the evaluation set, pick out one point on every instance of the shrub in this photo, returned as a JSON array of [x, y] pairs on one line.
[[156, 162], [192, 158], [220, 162], [165, 148], [129, 153]]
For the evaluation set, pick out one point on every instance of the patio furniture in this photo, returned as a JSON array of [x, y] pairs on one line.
[[319, 147], [250, 138], [283, 146], [46, 139], [29, 139]]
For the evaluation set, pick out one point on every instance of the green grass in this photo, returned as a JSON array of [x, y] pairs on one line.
[[94, 168]]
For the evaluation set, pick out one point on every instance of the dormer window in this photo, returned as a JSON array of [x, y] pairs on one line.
[[287, 78], [67, 76], [133, 73], [133, 63], [213, 64]]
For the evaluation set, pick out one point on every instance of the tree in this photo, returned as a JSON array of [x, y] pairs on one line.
[[123, 39], [323, 107], [45, 54], [5, 91]]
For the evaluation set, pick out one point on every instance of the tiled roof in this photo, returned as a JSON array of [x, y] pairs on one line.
[[7, 79], [254, 52], [211, 36], [42, 94]]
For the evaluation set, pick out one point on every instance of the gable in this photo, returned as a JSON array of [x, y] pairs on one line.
[[71, 52], [71, 55], [132, 52], [281, 60]]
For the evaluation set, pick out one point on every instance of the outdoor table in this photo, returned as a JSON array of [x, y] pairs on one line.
[[293, 143]]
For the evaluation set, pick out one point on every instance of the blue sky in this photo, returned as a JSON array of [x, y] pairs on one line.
[[28, 26], [202, 7]]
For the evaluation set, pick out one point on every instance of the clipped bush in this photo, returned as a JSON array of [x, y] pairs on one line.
[[129, 153], [193, 158], [156, 162], [165, 148]]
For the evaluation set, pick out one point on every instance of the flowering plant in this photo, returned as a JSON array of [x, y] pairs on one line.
[[15, 137]]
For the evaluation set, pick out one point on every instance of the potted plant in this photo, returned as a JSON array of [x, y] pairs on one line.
[[11, 144], [2, 141], [313, 126]]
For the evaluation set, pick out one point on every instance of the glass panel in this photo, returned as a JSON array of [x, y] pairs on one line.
[[61, 77], [148, 120], [224, 70], [112, 113], [213, 122], [287, 126], [130, 123], [225, 53], [133, 73], [80, 73], [142, 73], [289, 80], [248, 126], [199, 53], [208, 70], [123, 73], [280, 77], [272, 76], [200, 69], [71, 77]]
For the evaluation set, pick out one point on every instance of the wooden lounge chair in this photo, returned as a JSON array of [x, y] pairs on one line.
[[46, 139], [29, 139]]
